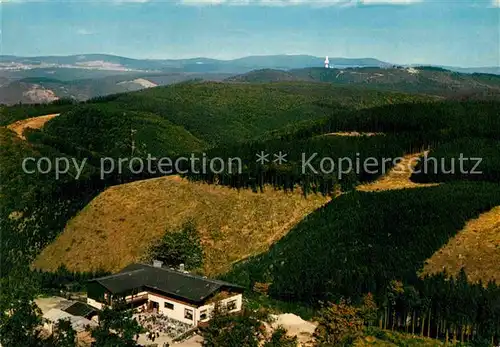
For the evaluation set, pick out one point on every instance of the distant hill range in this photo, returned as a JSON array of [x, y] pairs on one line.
[[422, 80], [237, 66], [80, 77]]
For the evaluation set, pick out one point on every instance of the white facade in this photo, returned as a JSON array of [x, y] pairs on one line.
[[174, 309], [95, 303], [191, 314], [181, 311], [233, 303]]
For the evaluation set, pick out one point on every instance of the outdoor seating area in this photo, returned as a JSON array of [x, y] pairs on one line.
[[159, 324]]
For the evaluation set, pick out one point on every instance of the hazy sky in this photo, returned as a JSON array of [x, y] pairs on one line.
[[446, 32]]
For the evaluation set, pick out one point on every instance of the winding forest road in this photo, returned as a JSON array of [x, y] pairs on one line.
[[398, 177]]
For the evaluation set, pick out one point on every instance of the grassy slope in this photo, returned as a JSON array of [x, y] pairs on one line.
[[117, 227], [33, 123], [476, 247], [397, 178], [10, 114]]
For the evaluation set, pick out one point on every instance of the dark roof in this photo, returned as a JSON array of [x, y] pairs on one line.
[[80, 309], [186, 286]]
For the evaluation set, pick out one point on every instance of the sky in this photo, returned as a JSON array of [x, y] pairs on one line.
[[462, 33]]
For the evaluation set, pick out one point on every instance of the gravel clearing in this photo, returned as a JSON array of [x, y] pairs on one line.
[[295, 326]]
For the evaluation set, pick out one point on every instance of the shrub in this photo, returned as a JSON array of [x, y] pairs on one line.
[[179, 247], [338, 324]]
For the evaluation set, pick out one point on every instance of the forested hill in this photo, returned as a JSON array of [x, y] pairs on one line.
[[225, 113], [165, 121], [225, 120], [425, 80], [357, 243]]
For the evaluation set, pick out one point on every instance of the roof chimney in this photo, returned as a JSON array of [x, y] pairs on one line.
[[157, 263]]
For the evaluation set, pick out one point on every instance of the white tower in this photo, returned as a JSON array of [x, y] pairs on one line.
[[327, 63]]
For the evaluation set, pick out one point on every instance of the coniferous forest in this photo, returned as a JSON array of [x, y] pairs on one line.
[[359, 243], [377, 243]]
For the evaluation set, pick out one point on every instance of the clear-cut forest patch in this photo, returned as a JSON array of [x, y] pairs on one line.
[[118, 226]]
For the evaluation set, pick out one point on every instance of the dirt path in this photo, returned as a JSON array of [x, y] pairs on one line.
[[34, 123], [353, 134], [477, 247], [398, 177]]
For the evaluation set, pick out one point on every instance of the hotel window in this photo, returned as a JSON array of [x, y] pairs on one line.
[[231, 305], [203, 315], [188, 314], [169, 305]]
